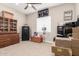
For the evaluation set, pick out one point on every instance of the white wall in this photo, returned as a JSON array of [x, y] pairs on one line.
[[44, 22], [57, 16], [21, 18], [31, 21], [77, 10]]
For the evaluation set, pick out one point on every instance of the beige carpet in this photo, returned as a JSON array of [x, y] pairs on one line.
[[27, 48]]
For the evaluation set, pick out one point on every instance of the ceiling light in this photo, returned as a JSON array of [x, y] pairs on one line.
[[29, 5], [17, 3]]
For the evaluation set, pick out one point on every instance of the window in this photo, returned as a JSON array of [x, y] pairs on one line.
[[44, 22]]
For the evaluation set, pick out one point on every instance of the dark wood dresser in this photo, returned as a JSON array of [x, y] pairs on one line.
[[8, 39]]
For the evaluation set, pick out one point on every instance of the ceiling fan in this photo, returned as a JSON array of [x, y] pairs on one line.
[[31, 5]]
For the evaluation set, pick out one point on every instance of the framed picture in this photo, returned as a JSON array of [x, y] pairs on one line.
[[43, 13], [68, 15]]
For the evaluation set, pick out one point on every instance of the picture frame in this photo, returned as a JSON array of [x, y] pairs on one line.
[[68, 15]]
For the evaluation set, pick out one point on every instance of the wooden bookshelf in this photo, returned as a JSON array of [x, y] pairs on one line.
[[1, 24], [8, 25], [8, 30], [13, 25]]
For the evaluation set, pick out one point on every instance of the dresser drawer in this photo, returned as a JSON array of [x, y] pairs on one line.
[[4, 42], [8, 39]]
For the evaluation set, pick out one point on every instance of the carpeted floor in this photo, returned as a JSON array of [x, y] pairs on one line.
[[27, 48]]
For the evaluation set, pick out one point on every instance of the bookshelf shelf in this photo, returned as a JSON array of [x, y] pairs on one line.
[[8, 25]]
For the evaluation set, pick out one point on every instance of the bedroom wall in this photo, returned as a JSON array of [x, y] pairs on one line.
[[57, 15], [77, 10]]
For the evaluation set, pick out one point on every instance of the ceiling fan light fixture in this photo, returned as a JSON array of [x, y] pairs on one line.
[[17, 3], [29, 5]]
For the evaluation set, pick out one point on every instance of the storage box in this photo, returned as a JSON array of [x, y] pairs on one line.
[[59, 51], [75, 30], [75, 51], [4, 42], [75, 43], [7, 14], [75, 33], [63, 43]]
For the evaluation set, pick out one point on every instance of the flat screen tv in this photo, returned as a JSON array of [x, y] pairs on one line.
[[64, 31]]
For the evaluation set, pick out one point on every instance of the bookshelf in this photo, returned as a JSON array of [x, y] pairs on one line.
[[13, 25], [8, 30], [1, 24], [8, 25]]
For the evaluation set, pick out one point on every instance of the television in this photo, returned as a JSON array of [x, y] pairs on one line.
[[65, 30], [60, 30]]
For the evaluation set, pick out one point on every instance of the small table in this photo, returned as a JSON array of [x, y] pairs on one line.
[[37, 39]]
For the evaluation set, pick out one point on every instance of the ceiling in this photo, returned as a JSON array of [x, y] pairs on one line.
[[20, 7]]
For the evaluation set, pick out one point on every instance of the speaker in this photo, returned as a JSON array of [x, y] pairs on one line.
[[25, 33]]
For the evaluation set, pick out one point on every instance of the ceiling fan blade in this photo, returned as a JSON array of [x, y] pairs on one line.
[[26, 7], [34, 7]]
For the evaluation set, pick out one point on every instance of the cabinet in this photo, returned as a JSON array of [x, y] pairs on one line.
[[14, 38], [8, 32], [25, 33], [75, 33], [8, 25], [8, 39], [4, 42]]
